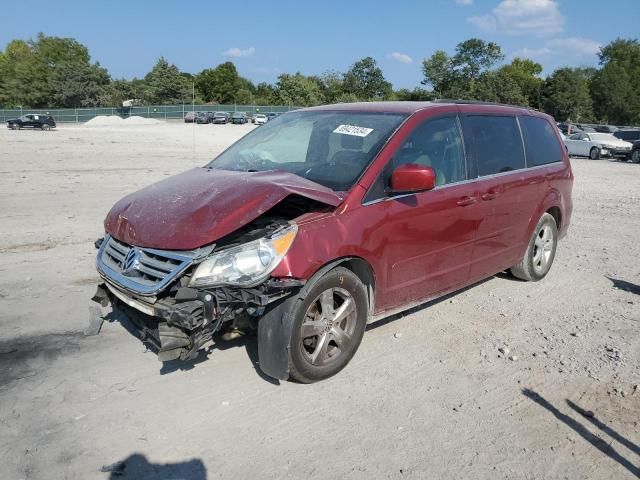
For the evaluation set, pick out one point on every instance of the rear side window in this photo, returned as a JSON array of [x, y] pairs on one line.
[[540, 141], [496, 143]]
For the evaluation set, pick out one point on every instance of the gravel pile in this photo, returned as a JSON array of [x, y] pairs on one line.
[[116, 121], [104, 121]]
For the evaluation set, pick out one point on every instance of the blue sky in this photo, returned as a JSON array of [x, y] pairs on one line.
[[266, 38]]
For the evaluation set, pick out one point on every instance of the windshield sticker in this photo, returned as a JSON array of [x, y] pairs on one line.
[[353, 130]]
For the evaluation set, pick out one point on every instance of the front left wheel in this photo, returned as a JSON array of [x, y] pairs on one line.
[[328, 326]]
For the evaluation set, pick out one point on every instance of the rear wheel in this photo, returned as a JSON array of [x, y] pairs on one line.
[[594, 153], [635, 156], [328, 326], [540, 253]]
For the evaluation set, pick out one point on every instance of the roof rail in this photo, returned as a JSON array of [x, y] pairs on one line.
[[476, 102]]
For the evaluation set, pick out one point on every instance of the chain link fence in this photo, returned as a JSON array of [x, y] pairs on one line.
[[166, 112]]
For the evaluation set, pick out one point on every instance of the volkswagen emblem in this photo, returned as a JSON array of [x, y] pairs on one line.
[[131, 262]]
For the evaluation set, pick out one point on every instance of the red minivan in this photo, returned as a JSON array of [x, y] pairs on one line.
[[328, 217]]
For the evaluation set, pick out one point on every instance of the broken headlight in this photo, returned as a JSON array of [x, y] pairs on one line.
[[245, 265]]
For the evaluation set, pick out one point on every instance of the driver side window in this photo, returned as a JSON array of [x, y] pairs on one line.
[[436, 144]]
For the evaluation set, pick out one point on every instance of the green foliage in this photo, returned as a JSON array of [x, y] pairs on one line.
[[220, 84], [615, 88], [458, 76], [165, 84], [48, 72], [365, 80], [565, 95], [498, 86], [416, 95], [298, 89], [526, 75]]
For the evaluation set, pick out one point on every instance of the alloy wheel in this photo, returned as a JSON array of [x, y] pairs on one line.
[[328, 327], [542, 249]]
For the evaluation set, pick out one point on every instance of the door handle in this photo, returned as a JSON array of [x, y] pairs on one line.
[[464, 201], [490, 195]]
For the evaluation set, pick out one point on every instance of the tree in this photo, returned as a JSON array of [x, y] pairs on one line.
[[526, 74], [220, 84], [365, 80], [499, 86], [457, 76], [616, 86], [332, 84], [298, 90], [165, 84], [49, 72], [15, 71], [416, 95], [78, 85], [438, 72], [264, 94], [565, 95]]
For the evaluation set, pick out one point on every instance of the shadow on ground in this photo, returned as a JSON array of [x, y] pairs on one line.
[[581, 430], [136, 467], [23, 357], [624, 285]]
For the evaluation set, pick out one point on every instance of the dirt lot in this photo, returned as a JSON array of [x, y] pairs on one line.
[[429, 394]]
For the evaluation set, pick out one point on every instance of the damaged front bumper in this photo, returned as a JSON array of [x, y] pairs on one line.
[[179, 324]]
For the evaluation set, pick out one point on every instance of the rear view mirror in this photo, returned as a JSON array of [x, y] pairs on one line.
[[411, 178]]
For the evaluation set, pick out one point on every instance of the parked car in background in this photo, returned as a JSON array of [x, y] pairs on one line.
[[204, 117], [631, 135], [568, 128], [327, 218], [42, 122], [605, 128], [190, 117], [596, 145], [239, 118], [221, 117], [271, 115], [628, 134], [259, 119]]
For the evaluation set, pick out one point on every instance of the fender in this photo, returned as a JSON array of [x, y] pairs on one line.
[[276, 327], [551, 199]]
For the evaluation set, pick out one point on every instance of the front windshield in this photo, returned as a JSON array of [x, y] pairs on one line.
[[331, 148]]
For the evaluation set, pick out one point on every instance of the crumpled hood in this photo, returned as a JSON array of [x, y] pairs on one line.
[[199, 206]]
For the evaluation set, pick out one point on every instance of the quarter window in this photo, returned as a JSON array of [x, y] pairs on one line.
[[436, 144], [496, 143], [540, 141]]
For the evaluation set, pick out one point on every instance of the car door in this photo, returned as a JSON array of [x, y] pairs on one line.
[[574, 144], [27, 121], [496, 157], [426, 239]]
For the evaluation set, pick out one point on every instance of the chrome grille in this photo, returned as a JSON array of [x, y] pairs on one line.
[[144, 271]]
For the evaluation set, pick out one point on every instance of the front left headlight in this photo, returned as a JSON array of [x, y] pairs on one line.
[[245, 265]]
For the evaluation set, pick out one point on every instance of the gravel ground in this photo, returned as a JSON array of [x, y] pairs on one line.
[[504, 380]]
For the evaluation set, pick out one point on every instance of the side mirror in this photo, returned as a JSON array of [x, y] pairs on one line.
[[411, 178]]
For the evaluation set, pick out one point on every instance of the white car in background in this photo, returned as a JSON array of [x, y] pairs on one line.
[[596, 145], [259, 119]]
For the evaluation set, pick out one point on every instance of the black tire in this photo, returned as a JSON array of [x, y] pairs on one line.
[[15, 126], [301, 367], [45, 126], [635, 156], [594, 153], [530, 268]]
